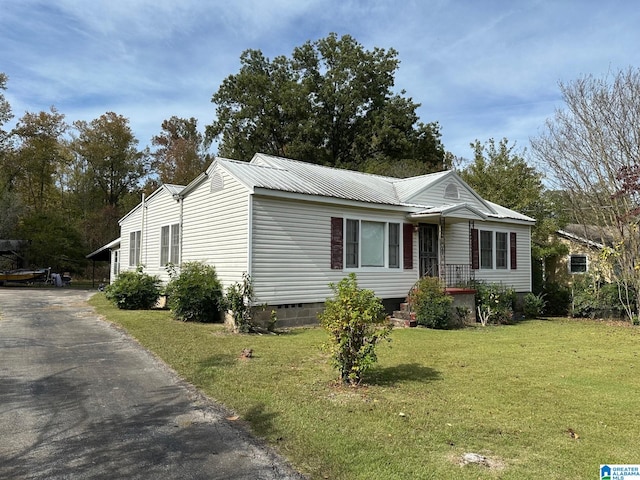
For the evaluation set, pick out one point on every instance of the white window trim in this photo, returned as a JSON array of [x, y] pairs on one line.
[[169, 245], [494, 258], [386, 266]]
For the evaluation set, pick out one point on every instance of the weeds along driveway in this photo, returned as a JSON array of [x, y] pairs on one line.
[[81, 399]]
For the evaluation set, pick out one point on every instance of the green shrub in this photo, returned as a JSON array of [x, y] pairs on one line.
[[239, 300], [596, 299], [355, 320], [134, 290], [430, 303], [533, 305], [558, 299], [494, 303], [195, 295]]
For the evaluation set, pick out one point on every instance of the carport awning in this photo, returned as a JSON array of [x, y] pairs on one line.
[[103, 254]]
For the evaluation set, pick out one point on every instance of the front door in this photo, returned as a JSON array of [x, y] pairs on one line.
[[428, 238]]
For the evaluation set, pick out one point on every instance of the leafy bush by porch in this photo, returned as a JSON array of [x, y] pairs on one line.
[[494, 303], [430, 303]]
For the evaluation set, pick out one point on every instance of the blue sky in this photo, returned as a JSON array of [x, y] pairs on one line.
[[482, 69]]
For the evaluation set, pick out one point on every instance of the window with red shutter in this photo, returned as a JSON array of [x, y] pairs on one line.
[[407, 246], [336, 243], [514, 250], [475, 250]]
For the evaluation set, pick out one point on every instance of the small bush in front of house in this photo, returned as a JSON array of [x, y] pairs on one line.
[[558, 299], [134, 290], [431, 303], [533, 305], [494, 303], [195, 295], [356, 322], [239, 300]]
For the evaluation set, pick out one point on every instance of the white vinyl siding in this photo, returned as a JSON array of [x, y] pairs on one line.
[[458, 251], [215, 227], [292, 252], [436, 194]]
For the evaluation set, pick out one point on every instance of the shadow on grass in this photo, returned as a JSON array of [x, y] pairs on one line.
[[220, 360], [261, 420], [407, 372]]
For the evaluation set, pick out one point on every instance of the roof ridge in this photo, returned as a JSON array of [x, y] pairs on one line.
[[338, 169]]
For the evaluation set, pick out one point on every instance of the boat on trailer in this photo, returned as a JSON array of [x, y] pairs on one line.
[[25, 275]]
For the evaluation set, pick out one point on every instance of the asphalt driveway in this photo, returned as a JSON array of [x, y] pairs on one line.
[[80, 399]]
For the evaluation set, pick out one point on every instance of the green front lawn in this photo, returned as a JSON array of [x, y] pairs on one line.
[[541, 399]]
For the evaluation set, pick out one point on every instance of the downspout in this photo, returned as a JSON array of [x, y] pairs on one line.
[[180, 199], [249, 234], [143, 237]]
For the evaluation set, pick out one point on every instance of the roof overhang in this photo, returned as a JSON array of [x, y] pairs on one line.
[[461, 212], [103, 254]]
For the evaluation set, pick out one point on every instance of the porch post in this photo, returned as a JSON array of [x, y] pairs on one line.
[[442, 268]]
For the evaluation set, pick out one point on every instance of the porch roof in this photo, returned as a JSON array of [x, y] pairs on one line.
[[460, 211]]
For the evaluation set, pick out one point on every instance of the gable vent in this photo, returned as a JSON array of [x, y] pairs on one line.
[[451, 191], [217, 183]]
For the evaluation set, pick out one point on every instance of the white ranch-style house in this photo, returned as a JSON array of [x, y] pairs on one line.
[[295, 227]]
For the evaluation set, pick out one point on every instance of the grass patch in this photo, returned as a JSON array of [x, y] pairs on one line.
[[541, 399]]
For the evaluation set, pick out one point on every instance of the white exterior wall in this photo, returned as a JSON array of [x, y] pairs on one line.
[[215, 228], [434, 196], [292, 252], [160, 210], [457, 251], [131, 223]]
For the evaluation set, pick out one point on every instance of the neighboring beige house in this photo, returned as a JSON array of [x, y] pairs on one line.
[[584, 251], [295, 227]]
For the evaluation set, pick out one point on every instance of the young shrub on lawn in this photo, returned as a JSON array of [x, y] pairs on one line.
[[239, 301], [431, 303], [134, 290], [355, 320], [494, 303], [196, 294], [533, 305]]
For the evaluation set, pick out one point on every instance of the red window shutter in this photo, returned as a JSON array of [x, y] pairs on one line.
[[336, 243], [514, 250], [475, 250], [407, 246]]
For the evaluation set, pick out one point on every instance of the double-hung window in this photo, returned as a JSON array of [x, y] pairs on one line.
[[494, 250], [134, 248], [372, 244], [170, 244], [486, 249], [502, 250]]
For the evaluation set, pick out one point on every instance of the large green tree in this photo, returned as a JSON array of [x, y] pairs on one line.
[[41, 153], [591, 149], [109, 149], [180, 154], [108, 172], [500, 174], [331, 102]]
